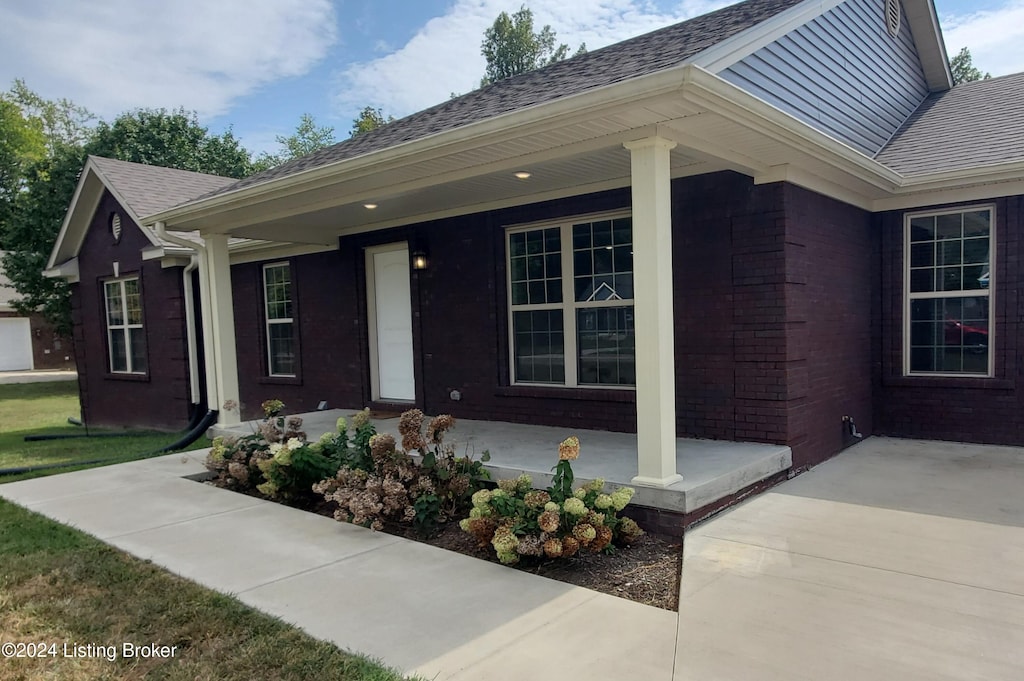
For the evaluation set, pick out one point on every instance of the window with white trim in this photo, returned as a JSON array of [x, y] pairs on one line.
[[126, 339], [948, 285], [278, 308], [571, 303]]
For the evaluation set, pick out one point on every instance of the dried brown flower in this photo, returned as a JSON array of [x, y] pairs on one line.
[[569, 449], [438, 426]]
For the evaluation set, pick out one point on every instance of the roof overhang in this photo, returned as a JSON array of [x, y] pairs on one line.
[[67, 270], [88, 192], [570, 146]]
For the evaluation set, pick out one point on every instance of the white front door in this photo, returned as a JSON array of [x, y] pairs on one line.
[[390, 315]]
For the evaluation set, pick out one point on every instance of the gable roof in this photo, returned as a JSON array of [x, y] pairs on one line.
[[970, 126], [144, 189], [643, 55], [140, 189]]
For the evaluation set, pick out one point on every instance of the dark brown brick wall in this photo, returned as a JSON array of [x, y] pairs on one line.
[[830, 276], [984, 410], [329, 335], [161, 398], [771, 346]]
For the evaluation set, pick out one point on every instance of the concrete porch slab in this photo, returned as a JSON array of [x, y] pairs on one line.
[[711, 469]]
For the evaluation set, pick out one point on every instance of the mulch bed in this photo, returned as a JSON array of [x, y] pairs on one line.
[[647, 572]]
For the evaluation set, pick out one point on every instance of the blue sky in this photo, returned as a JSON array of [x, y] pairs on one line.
[[258, 65]]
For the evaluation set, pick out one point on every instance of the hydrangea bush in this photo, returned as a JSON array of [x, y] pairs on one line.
[[237, 461], [519, 521], [396, 487]]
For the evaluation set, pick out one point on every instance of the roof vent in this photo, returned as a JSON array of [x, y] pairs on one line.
[[893, 16], [115, 226]]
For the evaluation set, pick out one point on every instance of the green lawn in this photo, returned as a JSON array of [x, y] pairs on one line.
[[60, 586], [43, 408]]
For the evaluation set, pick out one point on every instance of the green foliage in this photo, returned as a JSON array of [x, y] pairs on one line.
[[22, 144], [33, 203], [369, 119], [173, 139], [521, 522], [511, 47], [62, 122], [308, 138], [275, 461], [963, 69]]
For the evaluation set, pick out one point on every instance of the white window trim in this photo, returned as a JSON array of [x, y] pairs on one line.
[[990, 292], [568, 306], [124, 328], [267, 321]]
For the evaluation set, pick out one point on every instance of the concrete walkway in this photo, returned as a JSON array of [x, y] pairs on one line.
[[37, 376], [419, 608], [899, 560]]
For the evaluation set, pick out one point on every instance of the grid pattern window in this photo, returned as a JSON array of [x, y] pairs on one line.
[[277, 290], [126, 337], [949, 278], [576, 329]]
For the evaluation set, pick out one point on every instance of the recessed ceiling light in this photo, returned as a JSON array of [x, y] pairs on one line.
[[369, 206], [522, 175]]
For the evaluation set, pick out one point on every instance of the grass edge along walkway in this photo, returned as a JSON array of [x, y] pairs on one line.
[[60, 586]]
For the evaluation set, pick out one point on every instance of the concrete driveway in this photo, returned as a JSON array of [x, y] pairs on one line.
[[899, 559]]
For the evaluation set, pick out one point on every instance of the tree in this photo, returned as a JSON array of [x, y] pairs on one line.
[[157, 137], [62, 121], [173, 139], [369, 119], [511, 47], [963, 69], [307, 139], [21, 144], [29, 235]]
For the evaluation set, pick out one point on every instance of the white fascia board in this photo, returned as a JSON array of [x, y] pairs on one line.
[[722, 55], [268, 250], [82, 195], [81, 211], [733, 103], [931, 46], [67, 270], [590, 102]]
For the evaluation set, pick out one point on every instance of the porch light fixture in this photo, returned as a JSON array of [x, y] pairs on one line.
[[369, 206], [523, 175], [419, 260]]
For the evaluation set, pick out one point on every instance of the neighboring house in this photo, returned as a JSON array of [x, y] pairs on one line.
[[30, 342], [754, 225]]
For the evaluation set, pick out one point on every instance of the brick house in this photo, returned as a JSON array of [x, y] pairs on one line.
[[754, 225]]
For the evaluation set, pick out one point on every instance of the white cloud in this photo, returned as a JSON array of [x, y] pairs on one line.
[[444, 55], [994, 37], [113, 55]]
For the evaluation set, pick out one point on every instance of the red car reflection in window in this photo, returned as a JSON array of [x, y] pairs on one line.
[[970, 337]]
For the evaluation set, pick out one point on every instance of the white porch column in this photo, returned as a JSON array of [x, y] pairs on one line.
[[653, 316], [222, 324]]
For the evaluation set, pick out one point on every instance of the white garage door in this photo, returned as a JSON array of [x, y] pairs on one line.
[[15, 344]]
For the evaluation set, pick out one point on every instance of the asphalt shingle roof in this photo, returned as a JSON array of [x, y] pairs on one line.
[[150, 189], [631, 58], [972, 125]]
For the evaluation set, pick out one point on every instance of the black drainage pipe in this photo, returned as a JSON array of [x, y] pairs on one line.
[[188, 438]]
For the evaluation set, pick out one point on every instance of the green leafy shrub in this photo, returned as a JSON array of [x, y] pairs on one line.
[[519, 521], [395, 487], [275, 461]]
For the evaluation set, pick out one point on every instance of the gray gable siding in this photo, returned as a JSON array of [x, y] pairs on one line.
[[841, 73]]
